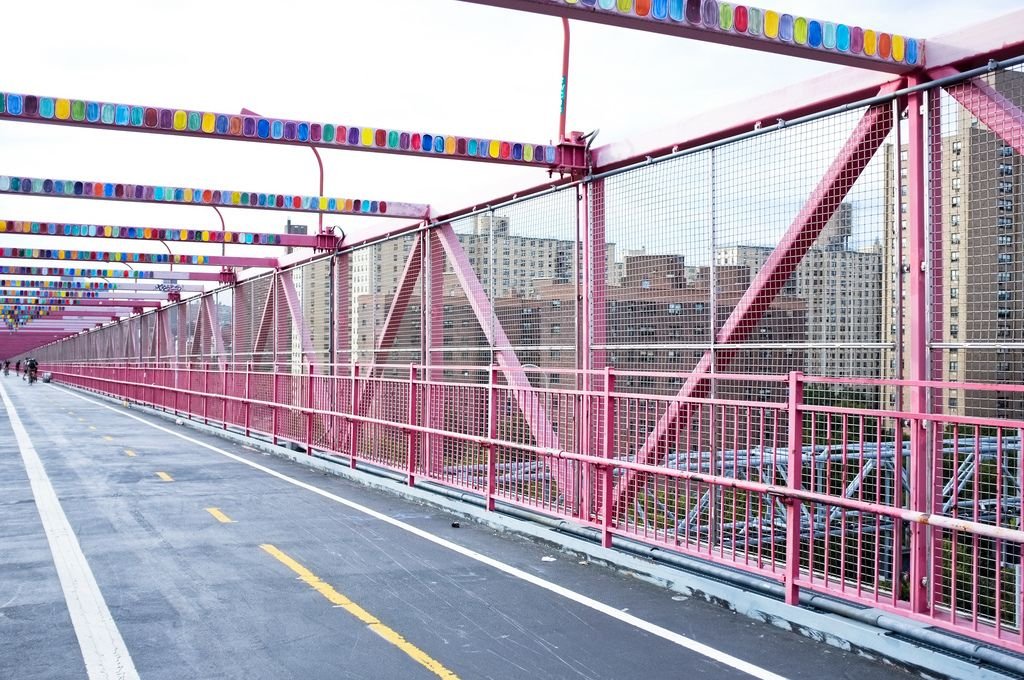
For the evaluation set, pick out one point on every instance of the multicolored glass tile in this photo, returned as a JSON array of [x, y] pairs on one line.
[[57, 285], [148, 193], [101, 256], [763, 24], [138, 233], [10, 270], [254, 128]]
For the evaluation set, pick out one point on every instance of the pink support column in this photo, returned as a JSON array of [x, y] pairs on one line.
[[530, 405], [840, 177], [989, 106], [298, 320], [917, 344], [937, 320]]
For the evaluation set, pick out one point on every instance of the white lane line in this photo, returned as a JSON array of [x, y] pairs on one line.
[[103, 649], [608, 610]]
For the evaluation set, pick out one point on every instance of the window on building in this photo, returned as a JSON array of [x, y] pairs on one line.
[[956, 165], [954, 330], [953, 401], [1005, 186], [954, 256], [954, 220], [957, 146], [1005, 205], [675, 308], [954, 274], [1005, 150], [954, 312], [953, 365], [1005, 258], [956, 184], [1004, 239], [954, 293], [954, 201], [1005, 169]]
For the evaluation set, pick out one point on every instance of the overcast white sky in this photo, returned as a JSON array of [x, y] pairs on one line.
[[439, 65]]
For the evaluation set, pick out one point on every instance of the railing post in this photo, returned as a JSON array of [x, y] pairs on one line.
[[245, 402], [794, 481], [492, 434], [206, 393], [354, 429], [273, 408], [413, 434], [608, 453], [309, 413]]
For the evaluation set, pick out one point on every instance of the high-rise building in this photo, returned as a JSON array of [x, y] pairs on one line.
[[842, 288]]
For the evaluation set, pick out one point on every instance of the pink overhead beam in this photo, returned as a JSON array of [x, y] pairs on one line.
[[84, 303], [251, 128], [991, 107], [975, 45], [224, 198], [190, 235], [739, 25], [122, 274], [784, 260], [73, 256]]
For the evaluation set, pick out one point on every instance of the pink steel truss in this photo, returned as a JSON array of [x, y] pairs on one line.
[[298, 320], [530, 405], [988, 105], [858, 151]]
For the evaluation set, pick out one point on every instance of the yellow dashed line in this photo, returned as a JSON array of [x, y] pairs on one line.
[[221, 517], [92, 427], [165, 477], [108, 437], [333, 596], [129, 453]]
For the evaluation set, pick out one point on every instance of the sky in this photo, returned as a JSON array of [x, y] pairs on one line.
[[444, 65]]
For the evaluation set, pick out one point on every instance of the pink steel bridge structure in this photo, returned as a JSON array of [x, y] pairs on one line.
[[684, 392]]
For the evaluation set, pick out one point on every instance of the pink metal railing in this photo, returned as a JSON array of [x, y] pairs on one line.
[[813, 497]]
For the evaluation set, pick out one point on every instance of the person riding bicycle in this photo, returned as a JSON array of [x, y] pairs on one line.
[[7, 366], [17, 367], [31, 367]]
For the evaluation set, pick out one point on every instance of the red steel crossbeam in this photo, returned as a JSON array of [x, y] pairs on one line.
[[225, 198], [191, 235], [135, 258], [988, 105], [840, 177], [739, 25], [252, 128]]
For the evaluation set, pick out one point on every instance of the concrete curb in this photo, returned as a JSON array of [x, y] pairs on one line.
[[846, 634]]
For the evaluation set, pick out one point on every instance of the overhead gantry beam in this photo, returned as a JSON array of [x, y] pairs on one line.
[[226, 198], [136, 258], [122, 274], [252, 128], [740, 25], [241, 238]]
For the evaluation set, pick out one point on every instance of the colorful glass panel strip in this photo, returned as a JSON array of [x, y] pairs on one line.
[[15, 106], [194, 196], [727, 17]]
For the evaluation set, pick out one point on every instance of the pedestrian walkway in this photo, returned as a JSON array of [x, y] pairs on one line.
[[216, 561]]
